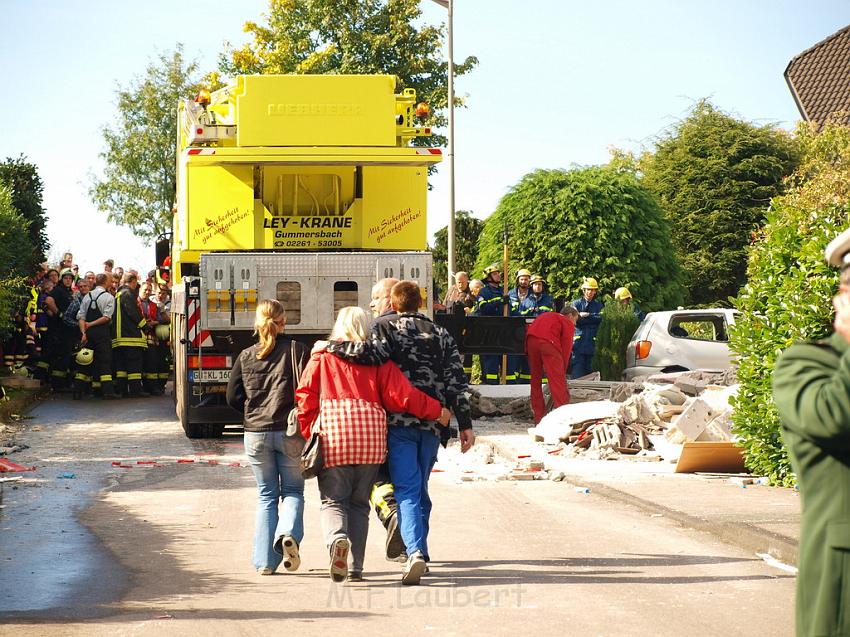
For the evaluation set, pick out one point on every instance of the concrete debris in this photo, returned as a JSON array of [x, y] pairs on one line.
[[695, 381], [559, 424], [498, 401], [691, 422], [649, 426], [621, 392]]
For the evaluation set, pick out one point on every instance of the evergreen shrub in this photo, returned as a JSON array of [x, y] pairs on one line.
[[789, 287]]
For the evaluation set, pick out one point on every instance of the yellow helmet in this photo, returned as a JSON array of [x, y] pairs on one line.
[[522, 272], [85, 356], [621, 294], [536, 278], [490, 269], [20, 370], [162, 332], [589, 284]]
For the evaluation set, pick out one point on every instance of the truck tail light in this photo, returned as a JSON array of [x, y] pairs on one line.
[[209, 362], [642, 349]]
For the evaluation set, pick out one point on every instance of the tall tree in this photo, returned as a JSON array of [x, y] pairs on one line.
[[16, 254], [714, 176], [138, 186], [25, 191], [598, 222], [467, 231], [340, 36]]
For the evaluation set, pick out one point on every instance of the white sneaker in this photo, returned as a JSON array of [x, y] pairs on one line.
[[291, 558], [265, 570], [413, 569], [339, 559]]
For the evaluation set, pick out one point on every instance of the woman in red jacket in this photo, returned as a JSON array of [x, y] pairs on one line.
[[349, 400]]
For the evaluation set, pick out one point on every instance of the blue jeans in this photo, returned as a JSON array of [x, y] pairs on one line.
[[278, 475], [411, 454]]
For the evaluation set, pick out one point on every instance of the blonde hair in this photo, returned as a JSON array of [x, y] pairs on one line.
[[352, 324], [268, 323]]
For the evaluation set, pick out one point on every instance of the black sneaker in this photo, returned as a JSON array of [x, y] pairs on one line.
[[338, 568], [395, 545], [355, 576], [413, 569]]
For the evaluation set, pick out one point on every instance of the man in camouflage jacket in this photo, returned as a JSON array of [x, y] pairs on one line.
[[428, 356]]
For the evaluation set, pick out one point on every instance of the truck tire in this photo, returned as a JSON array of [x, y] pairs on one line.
[[181, 391], [203, 430]]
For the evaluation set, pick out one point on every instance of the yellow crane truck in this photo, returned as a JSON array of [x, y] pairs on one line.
[[301, 188]]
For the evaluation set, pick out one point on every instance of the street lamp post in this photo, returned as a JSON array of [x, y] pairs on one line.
[[447, 4]]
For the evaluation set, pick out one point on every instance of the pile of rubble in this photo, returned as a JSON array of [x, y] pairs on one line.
[[518, 408], [671, 409]]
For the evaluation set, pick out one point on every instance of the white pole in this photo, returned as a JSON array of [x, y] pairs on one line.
[[451, 232]]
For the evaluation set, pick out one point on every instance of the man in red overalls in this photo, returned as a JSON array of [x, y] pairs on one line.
[[549, 343]]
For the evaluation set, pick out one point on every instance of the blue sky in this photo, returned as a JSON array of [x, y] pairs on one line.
[[558, 83]]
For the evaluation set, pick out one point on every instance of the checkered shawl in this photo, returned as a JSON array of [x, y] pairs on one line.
[[353, 431]]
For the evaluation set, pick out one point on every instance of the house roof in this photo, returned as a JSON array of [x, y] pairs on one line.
[[819, 79]]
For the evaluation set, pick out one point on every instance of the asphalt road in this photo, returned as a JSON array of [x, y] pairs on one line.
[[164, 549]]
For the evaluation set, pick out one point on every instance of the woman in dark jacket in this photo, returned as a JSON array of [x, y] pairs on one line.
[[263, 388]]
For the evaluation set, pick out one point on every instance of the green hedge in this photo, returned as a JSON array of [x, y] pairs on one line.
[[615, 332], [788, 293]]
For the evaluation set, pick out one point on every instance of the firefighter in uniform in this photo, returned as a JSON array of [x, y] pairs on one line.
[[491, 302], [128, 342], [43, 337], [95, 315], [590, 316], [518, 371], [153, 354], [539, 301], [60, 334], [625, 297]]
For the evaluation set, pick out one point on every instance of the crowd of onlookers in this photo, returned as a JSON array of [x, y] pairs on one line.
[[65, 331]]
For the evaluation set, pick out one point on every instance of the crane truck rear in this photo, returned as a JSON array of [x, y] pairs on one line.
[[305, 189]]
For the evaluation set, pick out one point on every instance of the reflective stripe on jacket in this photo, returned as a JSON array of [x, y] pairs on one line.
[[128, 323]]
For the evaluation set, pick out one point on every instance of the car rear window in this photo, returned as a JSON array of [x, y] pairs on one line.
[[702, 327]]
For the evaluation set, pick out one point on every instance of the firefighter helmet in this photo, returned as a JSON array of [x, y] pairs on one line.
[[162, 332], [490, 269], [589, 284], [85, 356], [66, 272], [536, 278], [522, 272], [621, 294]]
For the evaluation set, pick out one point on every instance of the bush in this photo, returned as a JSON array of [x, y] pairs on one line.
[[615, 332], [15, 259], [789, 289], [598, 221]]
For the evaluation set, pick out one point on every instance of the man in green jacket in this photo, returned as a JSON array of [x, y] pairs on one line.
[[811, 388]]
